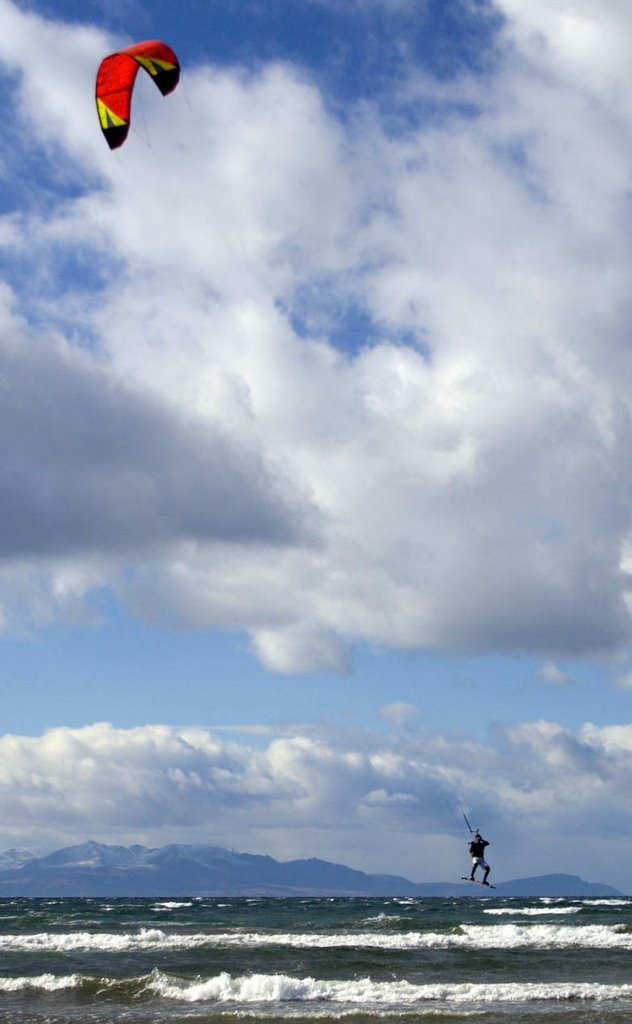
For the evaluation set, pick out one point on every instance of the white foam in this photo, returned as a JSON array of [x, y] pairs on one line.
[[499, 936], [357, 993], [171, 905], [63, 942], [612, 902], [532, 911], [279, 988], [46, 982], [382, 919]]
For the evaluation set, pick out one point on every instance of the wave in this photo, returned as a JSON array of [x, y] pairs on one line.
[[278, 988], [44, 982], [105, 942], [532, 911], [500, 936], [610, 902], [171, 905], [282, 989], [381, 919]]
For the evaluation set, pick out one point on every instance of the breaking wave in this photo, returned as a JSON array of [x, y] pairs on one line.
[[532, 911], [278, 988], [282, 989], [500, 936]]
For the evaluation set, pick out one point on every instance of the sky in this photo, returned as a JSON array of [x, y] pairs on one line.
[[315, 433]]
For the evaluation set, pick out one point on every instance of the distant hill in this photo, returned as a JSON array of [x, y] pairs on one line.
[[554, 885], [12, 859], [95, 869]]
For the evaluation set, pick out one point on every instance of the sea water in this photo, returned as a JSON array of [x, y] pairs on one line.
[[488, 960]]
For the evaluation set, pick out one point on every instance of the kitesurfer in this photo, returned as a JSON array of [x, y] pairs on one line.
[[477, 849]]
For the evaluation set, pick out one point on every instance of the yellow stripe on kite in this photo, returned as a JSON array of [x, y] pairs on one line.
[[107, 117], [155, 66]]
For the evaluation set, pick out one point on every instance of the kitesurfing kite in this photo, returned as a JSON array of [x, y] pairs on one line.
[[115, 84]]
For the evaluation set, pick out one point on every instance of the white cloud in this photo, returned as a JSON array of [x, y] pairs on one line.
[[581, 41], [399, 714], [460, 483], [89, 465], [624, 682], [551, 673], [549, 799]]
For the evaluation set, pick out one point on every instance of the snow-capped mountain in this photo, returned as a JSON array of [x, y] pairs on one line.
[[96, 869]]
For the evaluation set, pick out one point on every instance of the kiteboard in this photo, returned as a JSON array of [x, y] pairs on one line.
[[475, 881]]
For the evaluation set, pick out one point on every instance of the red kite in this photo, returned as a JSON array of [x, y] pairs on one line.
[[115, 83]]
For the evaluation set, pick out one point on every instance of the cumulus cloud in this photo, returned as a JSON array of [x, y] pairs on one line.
[[87, 465], [542, 793], [326, 379], [552, 674], [154, 779]]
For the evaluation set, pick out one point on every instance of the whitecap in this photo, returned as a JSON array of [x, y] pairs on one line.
[[45, 982], [532, 911], [519, 935], [171, 905], [612, 902], [366, 993], [501, 936], [64, 942]]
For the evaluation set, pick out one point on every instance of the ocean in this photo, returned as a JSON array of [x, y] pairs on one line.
[[162, 961]]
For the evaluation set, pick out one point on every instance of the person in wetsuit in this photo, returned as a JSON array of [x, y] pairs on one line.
[[477, 849]]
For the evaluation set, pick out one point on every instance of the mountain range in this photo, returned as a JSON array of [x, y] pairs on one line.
[[96, 869]]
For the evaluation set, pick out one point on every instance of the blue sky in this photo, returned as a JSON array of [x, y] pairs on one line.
[[315, 433]]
